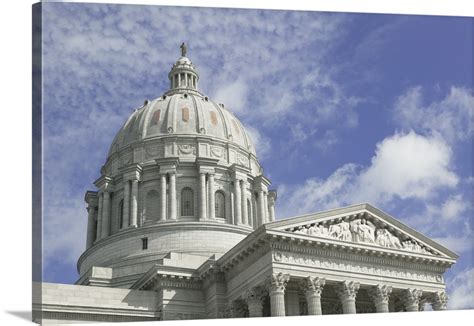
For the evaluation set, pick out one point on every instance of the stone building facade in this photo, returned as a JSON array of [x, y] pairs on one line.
[[182, 226]]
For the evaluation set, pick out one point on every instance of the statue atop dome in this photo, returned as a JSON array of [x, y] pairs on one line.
[[184, 49]]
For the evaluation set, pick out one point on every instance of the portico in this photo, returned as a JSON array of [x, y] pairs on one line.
[[328, 275]]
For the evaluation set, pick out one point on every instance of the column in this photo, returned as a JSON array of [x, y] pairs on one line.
[[243, 192], [163, 197], [411, 299], [106, 214], [91, 231], [380, 296], [313, 286], [212, 204], [99, 216], [265, 206], [179, 80], [237, 203], [347, 292], [254, 298], [134, 204], [172, 196], [261, 211], [126, 204], [439, 300], [276, 289], [202, 196], [271, 207]]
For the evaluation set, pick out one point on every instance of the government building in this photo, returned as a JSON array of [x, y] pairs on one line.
[[182, 226]]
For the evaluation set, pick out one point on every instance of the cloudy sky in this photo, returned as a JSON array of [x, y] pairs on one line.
[[342, 108]]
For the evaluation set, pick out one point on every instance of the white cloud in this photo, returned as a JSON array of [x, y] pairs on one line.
[[406, 166], [453, 207], [235, 93], [461, 290], [403, 166], [450, 118]]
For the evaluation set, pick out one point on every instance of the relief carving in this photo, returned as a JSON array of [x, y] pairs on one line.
[[187, 149], [363, 231], [217, 151], [242, 160]]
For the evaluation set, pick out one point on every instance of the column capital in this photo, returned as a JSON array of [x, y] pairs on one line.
[[272, 196], [206, 164], [277, 282], [347, 290], [104, 183], [380, 293], [132, 172], [313, 285], [262, 182], [439, 300], [168, 164], [412, 296], [91, 198]]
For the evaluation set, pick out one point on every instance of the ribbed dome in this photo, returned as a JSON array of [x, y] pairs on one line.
[[182, 113]]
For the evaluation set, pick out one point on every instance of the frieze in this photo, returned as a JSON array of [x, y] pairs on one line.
[[361, 230], [187, 149], [242, 160], [217, 152], [152, 151], [335, 264]]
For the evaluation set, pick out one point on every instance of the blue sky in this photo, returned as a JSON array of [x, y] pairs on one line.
[[342, 108]]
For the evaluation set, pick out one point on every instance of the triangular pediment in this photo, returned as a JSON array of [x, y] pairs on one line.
[[362, 224]]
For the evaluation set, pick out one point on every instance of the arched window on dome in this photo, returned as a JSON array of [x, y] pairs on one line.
[[187, 203], [120, 214], [219, 203], [151, 206]]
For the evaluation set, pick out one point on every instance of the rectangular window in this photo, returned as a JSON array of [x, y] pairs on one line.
[[144, 243]]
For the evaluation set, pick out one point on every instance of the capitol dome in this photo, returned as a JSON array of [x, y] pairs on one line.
[[181, 177]]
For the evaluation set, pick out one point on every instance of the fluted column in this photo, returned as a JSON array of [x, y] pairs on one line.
[[91, 231], [380, 295], [313, 286], [276, 289], [243, 192], [261, 210], [265, 206], [99, 216], [134, 205], [254, 298], [173, 205], [106, 214], [347, 292], [212, 198], [237, 202], [126, 204], [439, 300], [163, 197], [411, 299], [202, 196]]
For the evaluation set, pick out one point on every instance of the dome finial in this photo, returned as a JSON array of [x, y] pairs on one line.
[[184, 49]]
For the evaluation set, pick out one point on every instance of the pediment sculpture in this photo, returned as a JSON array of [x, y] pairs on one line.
[[361, 230]]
